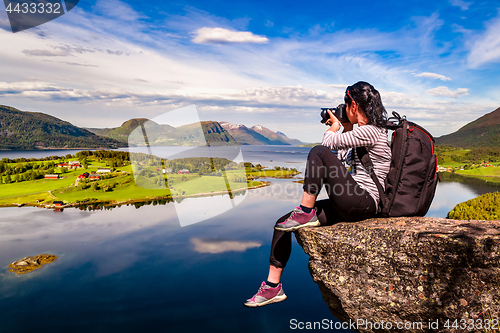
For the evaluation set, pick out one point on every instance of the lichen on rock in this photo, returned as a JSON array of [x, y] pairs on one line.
[[410, 269], [29, 264]]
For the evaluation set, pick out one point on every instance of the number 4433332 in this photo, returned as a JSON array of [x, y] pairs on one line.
[[34, 8]]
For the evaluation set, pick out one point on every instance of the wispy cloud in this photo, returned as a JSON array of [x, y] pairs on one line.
[[45, 53], [225, 36], [461, 3], [446, 92], [132, 68], [434, 76], [220, 246], [117, 9], [486, 47], [68, 50]]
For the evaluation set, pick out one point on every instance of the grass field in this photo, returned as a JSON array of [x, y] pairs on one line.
[[446, 161], [120, 185], [272, 173], [44, 185], [485, 172], [27, 199], [489, 174], [125, 189]]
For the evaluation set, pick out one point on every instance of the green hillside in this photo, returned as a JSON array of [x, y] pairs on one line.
[[119, 133], [484, 207], [482, 132], [24, 130], [217, 135]]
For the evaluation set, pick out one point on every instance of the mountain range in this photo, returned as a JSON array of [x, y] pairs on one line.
[[24, 130], [136, 131], [217, 133], [257, 135], [482, 132]]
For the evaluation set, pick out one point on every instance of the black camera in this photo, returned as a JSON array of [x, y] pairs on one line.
[[339, 112]]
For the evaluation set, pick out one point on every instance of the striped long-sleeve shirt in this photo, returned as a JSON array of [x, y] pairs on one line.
[[376, 143]]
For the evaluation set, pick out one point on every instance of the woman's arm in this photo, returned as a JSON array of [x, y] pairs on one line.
[[335, 124], [362, 136]]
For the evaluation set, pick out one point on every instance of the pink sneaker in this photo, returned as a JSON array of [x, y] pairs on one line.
[[266, 295], [298, 219]]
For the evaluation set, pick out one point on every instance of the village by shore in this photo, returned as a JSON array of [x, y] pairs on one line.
[[108, 181]]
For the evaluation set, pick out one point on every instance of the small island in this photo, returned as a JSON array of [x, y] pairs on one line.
[[29, 264]]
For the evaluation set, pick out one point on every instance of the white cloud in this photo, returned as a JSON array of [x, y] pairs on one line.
[[446, 92], [5, 24], [223, 36], [117, 9], [461, 3], [282, 84], [434, 76], [215, 246], [486, 47]]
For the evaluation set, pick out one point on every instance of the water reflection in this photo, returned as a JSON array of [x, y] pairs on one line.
[[134, 267], [454, 189], [131, 269], [219, 246]]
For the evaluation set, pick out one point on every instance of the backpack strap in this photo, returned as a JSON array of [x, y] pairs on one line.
[[368, 164], [395, 122]]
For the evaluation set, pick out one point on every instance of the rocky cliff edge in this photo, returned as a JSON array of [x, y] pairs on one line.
[[408, 270]]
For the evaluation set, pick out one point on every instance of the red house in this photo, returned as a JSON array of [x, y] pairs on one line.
[[54, 176], [84, 175], [183, 171]]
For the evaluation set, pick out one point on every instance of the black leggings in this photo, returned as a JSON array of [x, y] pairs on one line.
[[347, 202]]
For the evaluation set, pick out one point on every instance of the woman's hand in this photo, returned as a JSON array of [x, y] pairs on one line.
[[333, 122], [335, 125]]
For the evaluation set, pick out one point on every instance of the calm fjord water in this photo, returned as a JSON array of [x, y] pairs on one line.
[[131, 270]]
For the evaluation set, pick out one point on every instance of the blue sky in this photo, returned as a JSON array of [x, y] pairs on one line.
[[256, 62]]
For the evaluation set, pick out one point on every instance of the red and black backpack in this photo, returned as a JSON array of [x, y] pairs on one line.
[[411, 182]]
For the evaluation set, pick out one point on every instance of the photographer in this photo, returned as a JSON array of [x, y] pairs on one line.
[[352, 196]]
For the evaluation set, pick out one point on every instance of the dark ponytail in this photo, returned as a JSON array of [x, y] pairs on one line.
[[368, 98]]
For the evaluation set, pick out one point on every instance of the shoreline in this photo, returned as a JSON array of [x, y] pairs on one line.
[[54, 148], [109, 203]]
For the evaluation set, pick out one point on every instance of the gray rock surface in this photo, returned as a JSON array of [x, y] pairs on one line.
[[408, 270]]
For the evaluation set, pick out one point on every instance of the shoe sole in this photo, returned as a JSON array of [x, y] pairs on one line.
[[308, 224], [275, 299]]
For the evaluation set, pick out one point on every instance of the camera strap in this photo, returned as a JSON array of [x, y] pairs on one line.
[[368, 164]]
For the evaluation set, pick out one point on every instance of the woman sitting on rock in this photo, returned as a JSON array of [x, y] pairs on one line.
[[352, 196]]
